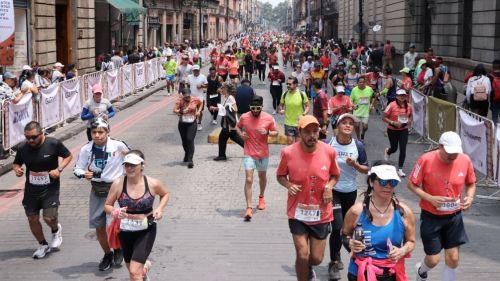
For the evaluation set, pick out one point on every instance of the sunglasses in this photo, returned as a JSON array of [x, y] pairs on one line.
[[128, 165], [34, 137], [256, 107], [392, 183]]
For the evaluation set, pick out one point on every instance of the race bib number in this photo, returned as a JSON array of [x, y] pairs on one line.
[[307, 213], [276, 83], [363, 101], [188, 118], [403, 119], [450, 206], [39, 178], [222, 110], [325, 69], [222, 67], [213, 96], [133, 225], [262, 62]]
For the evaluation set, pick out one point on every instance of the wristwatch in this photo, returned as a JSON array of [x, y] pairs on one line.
[[60, 170]]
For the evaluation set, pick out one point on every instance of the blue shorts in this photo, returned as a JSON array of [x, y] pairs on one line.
[[255, 164], [291, 131], [170, 78]]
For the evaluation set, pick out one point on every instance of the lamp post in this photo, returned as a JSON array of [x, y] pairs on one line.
[[361, 35]]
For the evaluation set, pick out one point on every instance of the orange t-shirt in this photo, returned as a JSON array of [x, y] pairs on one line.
[[397, 114], [256, 145], [442, 179], [339, 100], [233, 67], [312, 172], [222, 66]]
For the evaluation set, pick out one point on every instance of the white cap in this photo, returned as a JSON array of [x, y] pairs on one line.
[[400, 92], [385, 172], [169, 53], [58, 64], [27, 67], [340, 89], [347, 115], [451, 142], [276, 66], [196, 67], [133, 159]]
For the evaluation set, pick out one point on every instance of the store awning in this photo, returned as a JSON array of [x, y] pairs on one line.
[[127, 6]]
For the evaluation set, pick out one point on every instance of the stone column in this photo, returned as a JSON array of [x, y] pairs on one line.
[[180, 38], [163, 36]]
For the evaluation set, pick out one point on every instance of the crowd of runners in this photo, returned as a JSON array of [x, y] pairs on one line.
[[334, 89]]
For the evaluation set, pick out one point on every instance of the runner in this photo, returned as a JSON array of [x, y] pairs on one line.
[[40, 155], [222, 66], [100, 162], [197, 84], [293, 105], [276, 79], [362, 99], [308, 170], [184, 69], [338, 105], [96, 107], [233, 68], [351, 157], [135, 194], [320, 108], [249, 64], [213, 95], [438, 178], [170, 66], [380, 231], [261, 62], [254, 127]]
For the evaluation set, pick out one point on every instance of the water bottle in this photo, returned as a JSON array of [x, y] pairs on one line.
[[359, 234]]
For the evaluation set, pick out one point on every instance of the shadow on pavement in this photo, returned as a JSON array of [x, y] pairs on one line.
[[76, 271], [15, 254], [237, 213]]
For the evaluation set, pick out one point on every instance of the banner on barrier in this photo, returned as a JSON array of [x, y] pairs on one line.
[[127, 82], [442, 117], [92, 79], [140, 79], [151, 71], [161, 71], [112, 84], [72, 101], [20, 114], [50, 106], [418, 103], [474, 141]]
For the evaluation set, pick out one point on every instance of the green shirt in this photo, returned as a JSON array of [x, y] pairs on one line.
[[362, 98], [170, 67], [240, 57], [294, 106]]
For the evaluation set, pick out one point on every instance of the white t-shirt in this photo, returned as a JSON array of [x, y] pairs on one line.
[[194, 82], [101, 107], [56, 74], [27, 84], [184, 71], [428, 74]]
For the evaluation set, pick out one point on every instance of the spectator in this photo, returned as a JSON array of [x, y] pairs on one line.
[[57, 72], [478, 91], [8, 89], [28, 85], [376, 57], [107, 64], [134, 57], [72, 71], [117, 59], [406, 82], [430, 57], [244, 96], [95, 107], [409, 59], [388, 53], [495, 91]]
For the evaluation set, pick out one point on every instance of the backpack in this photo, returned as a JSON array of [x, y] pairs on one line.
[[302, 94], [495, 86], [479, 91]]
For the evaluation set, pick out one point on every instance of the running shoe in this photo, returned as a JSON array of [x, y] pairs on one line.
[[41, 251], [312, 274], [420, 277], [190, 165], [262, 203], [401, 173], [386, 155], [220, 158], [147, 268], [334, 271], [56, 238], [274, 112], [214, 122], [117, 257], [200, 127], [248, 214], [106, 262]]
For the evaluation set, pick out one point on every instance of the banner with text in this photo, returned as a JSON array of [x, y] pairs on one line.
[[442, 117], [7, 32], [161, 71], [20, 114], [50, 106], [140, 79], [419, 106], [127, 82], [474, 140], [112, 84], [72, 101]]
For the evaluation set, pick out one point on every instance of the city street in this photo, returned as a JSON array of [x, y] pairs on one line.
[[203, 236]]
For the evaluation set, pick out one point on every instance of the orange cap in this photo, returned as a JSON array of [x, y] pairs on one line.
[[307, 120]]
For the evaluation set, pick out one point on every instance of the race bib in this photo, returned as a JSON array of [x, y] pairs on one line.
[[262, 62], [450, 206], [403, 119], [188, 118], [276, 83], [39, 178], [307, 213], [213, 96], [325, 69], [222, 67], [363, 101], [133, 225]]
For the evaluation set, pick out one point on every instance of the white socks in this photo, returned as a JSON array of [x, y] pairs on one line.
[[449, 274], [423, 268]]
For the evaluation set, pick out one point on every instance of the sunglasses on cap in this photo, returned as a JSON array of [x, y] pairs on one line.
[[392, 183], [256, 107]]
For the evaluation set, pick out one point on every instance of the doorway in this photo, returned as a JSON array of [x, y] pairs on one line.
[[64, 42]]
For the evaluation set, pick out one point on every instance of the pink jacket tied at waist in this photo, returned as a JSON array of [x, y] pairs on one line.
[[372, 267]]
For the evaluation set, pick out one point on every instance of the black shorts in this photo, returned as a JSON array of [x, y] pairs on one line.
[[317, 231], [438, 232], [48, 201], [233, 76], [212, 101], [137, 245], [291, 131]]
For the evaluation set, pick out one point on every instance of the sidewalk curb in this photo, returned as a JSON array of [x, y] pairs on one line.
[[77, 125]]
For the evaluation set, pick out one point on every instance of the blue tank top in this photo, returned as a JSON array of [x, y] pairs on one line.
[[376, 238]]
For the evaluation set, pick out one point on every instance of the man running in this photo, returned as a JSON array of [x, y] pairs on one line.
[[40, 155], [308, 170], [183, 71], [100, 162], [198, 83], [254, 127], [293, 105], [438, 178], [362, 98], [170, 66]]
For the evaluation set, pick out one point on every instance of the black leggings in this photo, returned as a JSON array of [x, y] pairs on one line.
[[262, 72], [342, 202], [226, 134], [276, 94], [137, 245], [398, 137], [188, 132]]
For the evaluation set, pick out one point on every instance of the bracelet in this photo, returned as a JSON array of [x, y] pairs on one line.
[[60, 169]]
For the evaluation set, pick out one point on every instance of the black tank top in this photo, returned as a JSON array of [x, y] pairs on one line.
[[141, 205]]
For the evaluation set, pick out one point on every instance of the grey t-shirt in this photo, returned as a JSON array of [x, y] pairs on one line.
[[101, 107]]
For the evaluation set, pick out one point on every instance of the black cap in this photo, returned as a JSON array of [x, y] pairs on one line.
[[186, 92], [257, 100]]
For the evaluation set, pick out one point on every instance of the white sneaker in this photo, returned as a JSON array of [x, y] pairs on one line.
[[200, 127], [401, 173], [41, 251], [147, 268], [56, 238], [386, 155], [418, 276], [274, 112], [214, 122]]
